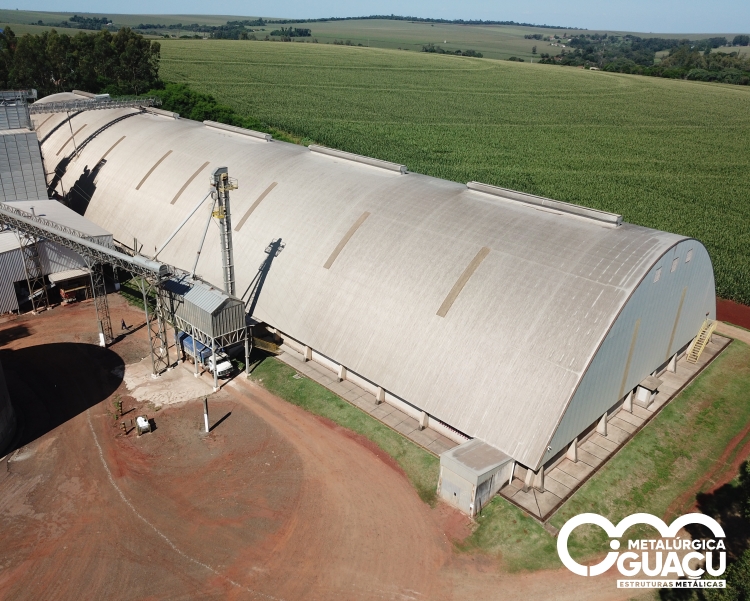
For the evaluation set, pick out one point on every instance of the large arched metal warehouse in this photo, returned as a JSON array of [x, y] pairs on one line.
[[509, 318]]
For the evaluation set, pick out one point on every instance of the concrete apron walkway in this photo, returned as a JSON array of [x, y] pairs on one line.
[[564, 478], [429, 439], [727, 329]]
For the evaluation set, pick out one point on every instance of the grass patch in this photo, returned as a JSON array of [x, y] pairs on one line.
[[131, 292], [421, 467], [662, 462]]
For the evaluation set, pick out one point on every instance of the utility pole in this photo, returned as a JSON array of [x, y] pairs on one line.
[[205, 412]]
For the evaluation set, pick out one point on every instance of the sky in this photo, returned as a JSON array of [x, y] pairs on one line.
[[657, 16]]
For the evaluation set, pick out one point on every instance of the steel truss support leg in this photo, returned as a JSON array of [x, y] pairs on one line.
[[248, 348], [157, 331], [99, 289], [32, 266]]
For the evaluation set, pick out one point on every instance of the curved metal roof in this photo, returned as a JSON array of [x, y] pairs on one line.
[[482, 311]]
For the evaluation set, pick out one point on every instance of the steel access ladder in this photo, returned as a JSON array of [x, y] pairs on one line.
[[700, 341]]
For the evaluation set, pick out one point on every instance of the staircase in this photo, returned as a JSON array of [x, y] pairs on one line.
[[700, 342]]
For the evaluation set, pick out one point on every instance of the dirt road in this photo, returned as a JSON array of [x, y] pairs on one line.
[[273, 504]]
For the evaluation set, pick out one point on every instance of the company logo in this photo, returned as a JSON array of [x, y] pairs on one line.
[[675, 562]]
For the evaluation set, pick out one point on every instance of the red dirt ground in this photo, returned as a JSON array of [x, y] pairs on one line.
[[732, 312], [272, 504], [723, 471]]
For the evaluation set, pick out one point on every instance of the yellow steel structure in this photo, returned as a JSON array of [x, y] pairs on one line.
[[700, 341]]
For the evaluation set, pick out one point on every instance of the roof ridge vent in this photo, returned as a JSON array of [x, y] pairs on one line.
[[240, 130], [358, 158], [540, 201], [161, 112]]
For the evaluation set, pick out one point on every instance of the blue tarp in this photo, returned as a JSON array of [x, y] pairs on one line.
[[187, 343]]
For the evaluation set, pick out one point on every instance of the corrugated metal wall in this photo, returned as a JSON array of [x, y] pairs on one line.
[[655, 306], [11, 270], [230, 318], [54, 258]]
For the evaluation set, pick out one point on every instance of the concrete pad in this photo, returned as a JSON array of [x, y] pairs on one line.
[[350, 395], [349, 385], [323, 371], [363, 404], [405, 429], [393, 419], [556, 487], [578, 470], [510, 489], [429, 433], [588, 458], [560, 476], [616, 434], [528, 501], [380, 411], [410, 421], [622, 424], [174, 386], [337, 388], [547, 500], [437, 447], [597, 451], [670, 379], [668, 391], [419, 437], [644, 414], [289, 359], [608, 445], [631, 418], [445, 441]]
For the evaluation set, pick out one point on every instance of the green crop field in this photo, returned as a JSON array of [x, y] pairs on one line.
[[667, 154]]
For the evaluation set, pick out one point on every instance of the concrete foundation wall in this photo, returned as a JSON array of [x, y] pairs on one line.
[[455, 490], [487, 489], [469, 498]]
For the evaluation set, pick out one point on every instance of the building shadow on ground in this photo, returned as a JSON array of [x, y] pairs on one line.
[[50, 384], [727, 506]]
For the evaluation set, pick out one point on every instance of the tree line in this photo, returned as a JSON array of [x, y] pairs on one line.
[[686, 59], [418, 20], [103, 62], [440, 50]]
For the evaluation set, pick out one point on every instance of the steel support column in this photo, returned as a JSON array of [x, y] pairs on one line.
[[156, 331], [99, 290], [32, 266], [248, 339]]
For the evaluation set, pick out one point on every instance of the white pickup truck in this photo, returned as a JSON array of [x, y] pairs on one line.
[[223, 365]]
